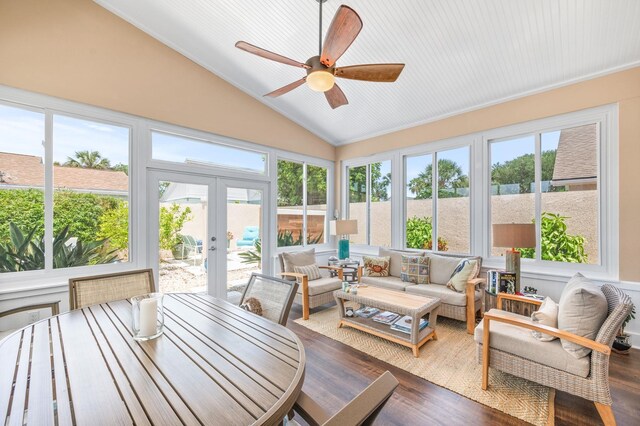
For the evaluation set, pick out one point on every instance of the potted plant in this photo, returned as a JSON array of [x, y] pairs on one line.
[[622, 344], [172, 219], [229, 238]]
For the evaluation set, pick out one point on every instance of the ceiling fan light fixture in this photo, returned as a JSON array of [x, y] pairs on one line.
[[320, 80]]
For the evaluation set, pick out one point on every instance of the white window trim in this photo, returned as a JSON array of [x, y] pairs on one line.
[[479, 175], [140, 163], [365, 161], [608, 249], [306, 161]]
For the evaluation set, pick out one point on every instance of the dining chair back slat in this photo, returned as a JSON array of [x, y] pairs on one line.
[[274, 295], [92, 290]]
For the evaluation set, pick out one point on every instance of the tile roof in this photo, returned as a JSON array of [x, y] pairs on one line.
[[576, 157], [28, 170]]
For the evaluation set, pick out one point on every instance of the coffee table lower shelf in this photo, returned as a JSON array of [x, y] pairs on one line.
[[384, 331]]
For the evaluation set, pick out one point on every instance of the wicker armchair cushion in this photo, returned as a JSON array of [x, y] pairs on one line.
[[322, 285], [582, 310], [392, 283], [446, 295], [300, 258], [519, 341]]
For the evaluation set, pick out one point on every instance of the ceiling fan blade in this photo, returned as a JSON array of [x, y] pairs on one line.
[[343, 30], [335, 96], [386, 73], [289, 87], [247, 47]]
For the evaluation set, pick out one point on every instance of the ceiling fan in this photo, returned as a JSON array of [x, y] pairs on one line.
[[321, 69]]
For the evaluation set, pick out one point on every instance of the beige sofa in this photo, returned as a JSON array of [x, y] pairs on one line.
[[456, 305]]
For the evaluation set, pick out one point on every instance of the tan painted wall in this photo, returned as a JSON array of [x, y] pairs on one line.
[[622, 88], [77, 50]]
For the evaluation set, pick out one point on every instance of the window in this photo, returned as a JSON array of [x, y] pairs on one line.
[[370, 203], [88, 219], [447, 195], [179, 149], [302, 204], [550, 179]]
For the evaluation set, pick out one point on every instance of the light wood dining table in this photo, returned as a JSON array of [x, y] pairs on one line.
[[215, 364]]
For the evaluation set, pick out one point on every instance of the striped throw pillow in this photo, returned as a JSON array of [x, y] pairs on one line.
[[311, 271]]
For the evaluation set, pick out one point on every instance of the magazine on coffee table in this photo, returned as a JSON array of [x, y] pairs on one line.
[[404, 324], [367, 312], [386, 317]]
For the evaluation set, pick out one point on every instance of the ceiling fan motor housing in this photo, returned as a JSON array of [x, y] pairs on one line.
[[319, 77]]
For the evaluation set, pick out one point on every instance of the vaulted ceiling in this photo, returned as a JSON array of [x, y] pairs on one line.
[[460, 55]]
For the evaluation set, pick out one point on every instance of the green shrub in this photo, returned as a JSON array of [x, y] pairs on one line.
[[23, 207], [419, 234], [114, 226], [557, 244], [172, 220]]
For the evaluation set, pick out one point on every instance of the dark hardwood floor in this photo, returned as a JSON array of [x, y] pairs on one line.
[[335, 373]]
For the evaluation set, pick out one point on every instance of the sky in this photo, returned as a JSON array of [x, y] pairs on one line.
[[22, 132]]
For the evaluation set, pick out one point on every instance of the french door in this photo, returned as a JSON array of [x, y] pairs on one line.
[[207, 234]]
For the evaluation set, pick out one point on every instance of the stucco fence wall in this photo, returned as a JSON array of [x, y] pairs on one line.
[[579, 206], [241, 215]]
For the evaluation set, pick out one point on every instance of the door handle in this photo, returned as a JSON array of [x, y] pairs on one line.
[[212, 248]]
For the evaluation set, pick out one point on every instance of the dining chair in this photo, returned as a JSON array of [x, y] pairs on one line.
[[54, 306], [274, 296], [91, 290], [362, 410]]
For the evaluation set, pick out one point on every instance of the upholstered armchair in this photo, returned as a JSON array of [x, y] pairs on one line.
[[313, 291], [504, 342]]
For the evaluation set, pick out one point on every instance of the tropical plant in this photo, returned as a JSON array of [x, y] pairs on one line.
[[450, 177], [286, 238], [172, 220], [250, 256], [419, 234], [25, 251], [556, 244], [88, 160]]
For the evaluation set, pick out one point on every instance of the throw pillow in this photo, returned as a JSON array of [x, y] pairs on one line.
[[582, 310], [252, 305], [311, 271], [415, 269], [547, 314], [466, 270], [376, 266]]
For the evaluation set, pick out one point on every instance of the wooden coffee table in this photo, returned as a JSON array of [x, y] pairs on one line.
[[395, 301]]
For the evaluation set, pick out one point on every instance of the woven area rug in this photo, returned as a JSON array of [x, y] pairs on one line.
[[449, 362]]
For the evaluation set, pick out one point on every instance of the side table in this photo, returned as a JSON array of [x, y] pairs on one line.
[[349, 269], [515, 306]]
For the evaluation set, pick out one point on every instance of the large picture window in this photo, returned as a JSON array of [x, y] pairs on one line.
[[86, 203], [370, 203], [302, 204], [438, 183], [550, 179]]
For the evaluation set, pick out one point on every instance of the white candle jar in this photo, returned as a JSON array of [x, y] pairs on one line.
[[148, 316]]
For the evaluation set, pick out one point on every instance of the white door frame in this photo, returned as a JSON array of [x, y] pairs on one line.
[[221, 213]]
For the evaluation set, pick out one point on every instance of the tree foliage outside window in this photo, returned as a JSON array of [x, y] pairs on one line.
[[521, 170], [450, 175], [419, 234], [358, 184]]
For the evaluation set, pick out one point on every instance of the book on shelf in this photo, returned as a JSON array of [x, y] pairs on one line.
[[386, 317], [501, 282], [367, 312], [404, 324]]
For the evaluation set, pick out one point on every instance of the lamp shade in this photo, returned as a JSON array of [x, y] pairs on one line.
[[343, 227], [514, 235]]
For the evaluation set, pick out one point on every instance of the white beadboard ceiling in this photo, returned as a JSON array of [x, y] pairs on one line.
[[459, 54]]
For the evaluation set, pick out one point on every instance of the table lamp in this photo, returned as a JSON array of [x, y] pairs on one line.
[[343, 228], [522, 235]]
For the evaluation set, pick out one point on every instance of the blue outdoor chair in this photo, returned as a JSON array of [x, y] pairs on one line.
[[249, 236]]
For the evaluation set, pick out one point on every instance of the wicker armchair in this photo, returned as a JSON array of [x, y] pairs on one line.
[[314, 293], [590, 378], [86, 291], [275, 296]]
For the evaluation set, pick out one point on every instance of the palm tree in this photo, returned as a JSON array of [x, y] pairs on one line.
[[450, 176], [88, 160]]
